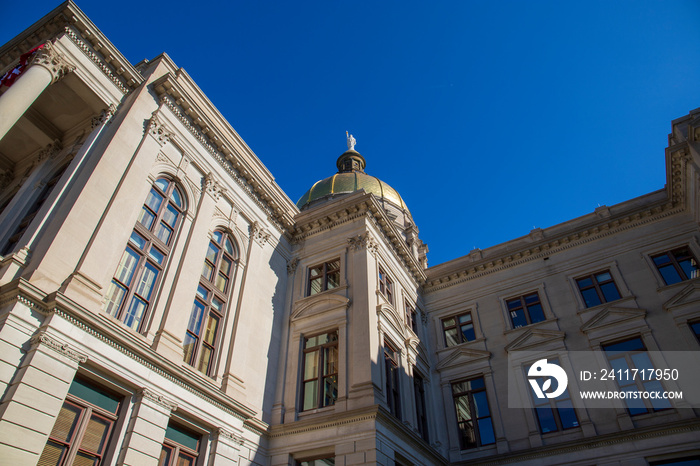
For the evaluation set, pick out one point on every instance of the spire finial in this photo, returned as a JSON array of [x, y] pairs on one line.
[[351, 141]]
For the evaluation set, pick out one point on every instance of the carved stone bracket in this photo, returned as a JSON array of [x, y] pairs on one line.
[[158, 399], [365, 241], [49, 152], [292, 266], [260, 234], [230, 436], [157, 129], [53, 61], [212, 186], [6, 177], [104, 116], [58, 346]]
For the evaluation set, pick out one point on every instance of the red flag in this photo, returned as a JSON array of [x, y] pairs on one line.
[[11, 76]]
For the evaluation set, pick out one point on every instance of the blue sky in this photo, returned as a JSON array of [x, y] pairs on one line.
[[490, 118]]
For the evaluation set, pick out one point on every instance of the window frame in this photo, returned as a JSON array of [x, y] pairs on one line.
[[392, 382], [597, 286], [209, 311], [319, 376], [474, 420], [673, 262], [176, 449], [146, 258], [386, 285], [552, 405], [421, 412], [525, 307], [325, 273], [411, 316], [458, 326]]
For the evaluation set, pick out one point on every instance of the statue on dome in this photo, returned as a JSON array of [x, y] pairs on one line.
[[351, 141]]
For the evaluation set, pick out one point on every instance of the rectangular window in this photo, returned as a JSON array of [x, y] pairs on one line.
[[83, 427], [525, 310], [676, 266], [598, 288], [180, 448], [320, 369], [386, 286], [317, 462], [391, 367], [458, 329], [473, 414], [421, 414], [411, 318], [324, 277], [554, 414], [623, 358]]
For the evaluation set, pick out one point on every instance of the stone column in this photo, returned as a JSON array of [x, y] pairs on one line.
[[34, 398], [225, 449], [45, 67], [146, 431]]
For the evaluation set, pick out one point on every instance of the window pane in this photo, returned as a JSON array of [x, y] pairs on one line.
[[333, 280], [311, 394], [451, 337], [85, 459], [635, 406], [330, 390], [176, 197], [133, 316], [315, 272], [567, 415], [195, 322], [95, 395], [210, 331], [633, 344], [465, 318], [657, 403], [463, 410], [518, 318], [467, 435], [163, 232], [670, 275], [182, 436], [218, 236], [146, 218], [52, 454], [165, 453], [690, 267], [513, 304], [154, 200], [486, 431], [225, 266], [188, 347], [590, 297], [202, 293], [115, 296], [137, 240], [95, 435], [315, 286], [532, 298], [221, 282], [610, 292], [642, 361], [162, 183], [228, 246], [330, 359], [204, 359], [156, 255], [449, 322], [476, 383], [661, 260], [66, 422], [207, 271], [148, 279], [545, 416], [468, 332], [584, 283], [185, 460], [603, 277], [311, 365], [481, 404], [212, 253], [217, 305], [536, 313], [126, 267]]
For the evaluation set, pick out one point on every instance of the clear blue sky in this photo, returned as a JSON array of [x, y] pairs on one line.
[[490, 118]]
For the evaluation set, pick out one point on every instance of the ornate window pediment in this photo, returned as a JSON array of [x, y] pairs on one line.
[[612, 316], [536, 338], [688, 296], [319, 303], [463, 356]]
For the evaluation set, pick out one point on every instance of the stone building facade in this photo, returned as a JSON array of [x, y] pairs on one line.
[[163, 301]]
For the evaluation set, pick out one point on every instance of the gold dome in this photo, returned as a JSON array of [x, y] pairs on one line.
[[351, 178]]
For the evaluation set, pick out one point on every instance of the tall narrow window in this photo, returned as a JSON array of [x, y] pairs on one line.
[[84, 426], [320, 384], [324, 277], [598, 288], [180, 448], [473, 414], [33, 209], [411, 318], [386, 286], [554, 414], [676, 266], [421, 414], [210, 302], [131, 292], [391, 367], [633, 371]]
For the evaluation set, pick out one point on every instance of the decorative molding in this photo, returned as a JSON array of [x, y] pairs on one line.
[[55, 62], [259, 234], [292, 266], [535, 337], [230, 436], [95, 59], [104, 116], [157, 129], [212, 186], [160, 400], [365, 241], [60, 347], [49, 152]]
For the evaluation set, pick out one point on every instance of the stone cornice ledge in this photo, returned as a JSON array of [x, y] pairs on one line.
[[604, 440], [479, 263], [125, 341]]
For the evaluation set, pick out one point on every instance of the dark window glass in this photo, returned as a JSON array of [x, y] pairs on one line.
[[473, 414], [391, 366], [631, 354], [458, 329], [695, 327], [411, 317], [525, 310], [320, 371], [129, 296], [554, 414], [598, 288], [386, 286], [324, 277], [676, 266], [421, 414]]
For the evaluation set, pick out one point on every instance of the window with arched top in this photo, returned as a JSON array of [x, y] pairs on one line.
[[140, 269], [203, 329]]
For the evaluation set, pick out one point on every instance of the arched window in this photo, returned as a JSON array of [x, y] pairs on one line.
[[203, 328], [140, 268]]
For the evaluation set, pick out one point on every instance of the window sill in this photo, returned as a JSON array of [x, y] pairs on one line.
[[599, 307], [466, 344], [529, 326], [680, 284], [311, 412]]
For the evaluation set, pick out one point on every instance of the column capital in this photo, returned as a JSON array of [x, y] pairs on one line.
[[160, 400], [54, 61], [43, 338], [212, 186]]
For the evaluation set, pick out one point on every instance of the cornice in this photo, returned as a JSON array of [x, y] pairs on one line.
[[482, 263], [229, 151], [352, 207], [123, 340]]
